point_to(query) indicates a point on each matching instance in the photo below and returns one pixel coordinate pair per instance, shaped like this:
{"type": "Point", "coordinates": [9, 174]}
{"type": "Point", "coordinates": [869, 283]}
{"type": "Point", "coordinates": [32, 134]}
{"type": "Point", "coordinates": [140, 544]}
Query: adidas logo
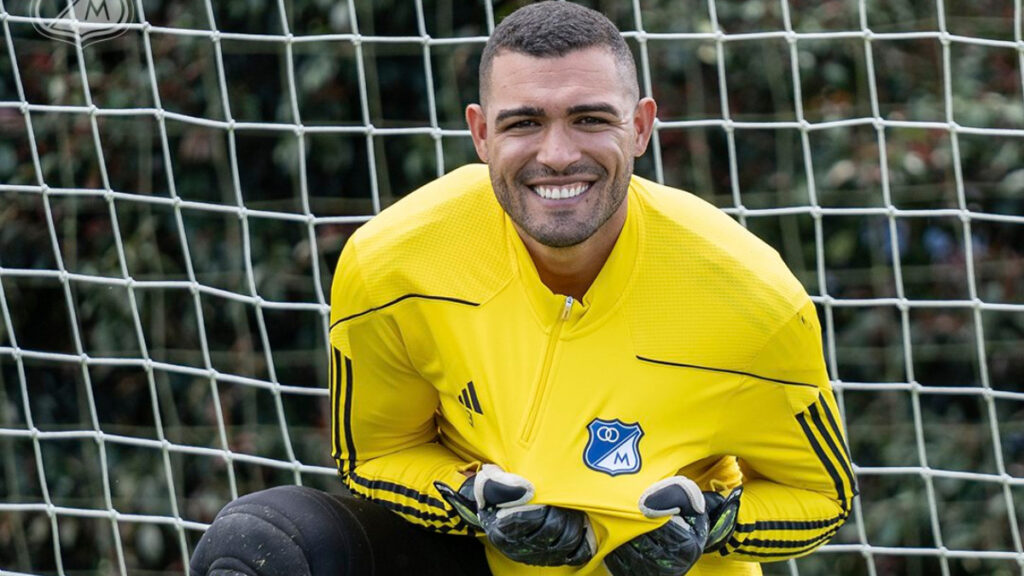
{"type": "Point", "coordinates": [469, 400]}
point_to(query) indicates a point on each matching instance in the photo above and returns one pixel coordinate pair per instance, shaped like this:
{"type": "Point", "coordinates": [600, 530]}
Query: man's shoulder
{"type": "Point", "coordinates": [683, 229]}
{"type": "Point", "coordinates": [676, 212]}
{"type": "Point", "coordinates": [709, 291]}
{"type": "Point", "coordinates": [444, 201]}
{"type": "Point", "coordinates": [445, 238]}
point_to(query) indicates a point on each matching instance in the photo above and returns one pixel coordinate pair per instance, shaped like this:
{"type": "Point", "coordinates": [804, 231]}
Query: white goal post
{"type": "Point", "coordinates": [177, 179]}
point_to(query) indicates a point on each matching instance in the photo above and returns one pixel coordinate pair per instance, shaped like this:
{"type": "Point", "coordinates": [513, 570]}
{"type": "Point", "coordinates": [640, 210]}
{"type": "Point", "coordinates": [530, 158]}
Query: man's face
{"type": "Point", "coordinates": [560, 135]}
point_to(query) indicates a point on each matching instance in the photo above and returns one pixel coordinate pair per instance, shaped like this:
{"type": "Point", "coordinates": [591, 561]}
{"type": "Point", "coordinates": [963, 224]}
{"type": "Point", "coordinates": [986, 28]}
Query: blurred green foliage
{"type": "Point", "coordinates": [281, 175]}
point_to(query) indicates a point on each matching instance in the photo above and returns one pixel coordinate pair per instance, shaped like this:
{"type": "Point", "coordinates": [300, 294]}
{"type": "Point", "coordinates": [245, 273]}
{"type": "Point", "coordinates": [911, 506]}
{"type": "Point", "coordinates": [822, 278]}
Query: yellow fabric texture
{"type": "Point", "coordinates": [448, 352]}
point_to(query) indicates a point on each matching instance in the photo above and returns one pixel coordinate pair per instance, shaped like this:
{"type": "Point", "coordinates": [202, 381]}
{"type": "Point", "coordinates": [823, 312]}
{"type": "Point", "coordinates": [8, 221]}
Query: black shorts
{"type": "Point", "coordinates": [299, 531]}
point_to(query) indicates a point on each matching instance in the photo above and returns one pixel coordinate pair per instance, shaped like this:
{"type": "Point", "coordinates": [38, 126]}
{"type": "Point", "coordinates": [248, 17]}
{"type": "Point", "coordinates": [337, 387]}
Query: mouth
{"type": "Point", "coordinates": [560, 192]}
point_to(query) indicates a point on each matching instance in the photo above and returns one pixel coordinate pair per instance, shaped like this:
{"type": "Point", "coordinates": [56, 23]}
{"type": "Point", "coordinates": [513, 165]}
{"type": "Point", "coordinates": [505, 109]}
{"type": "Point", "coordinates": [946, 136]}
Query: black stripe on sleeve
{"type": "Point", "coordinates": [836, 451]}
{"type": "Point", "coordinates": [405, 510]}
{"type": "Point", "coordinates": [785, 544]}
{"type": "Point", "coordinates": [848, 461]}
{"type": "Point", "coordinates": [726, 371]}
{"type": "Point", "coordinates": [333, 392]}
{"type": "Point", "coordinates": [836, 479]}
{"type": "Point", "coordinates": [400, 299]}
{"type": "Point", "coordinates": [349, 441]}
{"type": "Point", "coordinates": [790, 524]}
{"type": "Point", "coordinates": [336, 415]}
{"type": "Point", "coordinates": [399, 489]}
{"type": "Point", "coordinates": [445, 520]}
{"type": "Point", "coordinates": [789, 553]}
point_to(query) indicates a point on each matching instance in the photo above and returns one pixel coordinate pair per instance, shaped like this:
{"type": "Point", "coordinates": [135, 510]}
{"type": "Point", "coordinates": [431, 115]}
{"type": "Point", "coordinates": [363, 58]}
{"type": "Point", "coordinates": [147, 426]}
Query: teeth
{"type": "Point", "coordinates": [560, 192]}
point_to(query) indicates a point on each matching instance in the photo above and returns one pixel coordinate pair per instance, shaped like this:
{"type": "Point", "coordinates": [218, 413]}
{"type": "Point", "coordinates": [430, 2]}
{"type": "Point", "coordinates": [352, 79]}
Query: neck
{"type": "Point", "coordinates": [571, 270]}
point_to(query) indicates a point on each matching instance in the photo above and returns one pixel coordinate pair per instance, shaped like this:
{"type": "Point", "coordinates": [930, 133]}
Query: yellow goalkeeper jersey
{"type": "Point", "coordinates": [694, 352]}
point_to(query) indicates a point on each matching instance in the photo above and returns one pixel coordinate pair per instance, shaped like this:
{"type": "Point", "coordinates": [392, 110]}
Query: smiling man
{"type": "Point", "coordinates": [559, 135]}
{"type": "Point", "coordinates": [586, 371]}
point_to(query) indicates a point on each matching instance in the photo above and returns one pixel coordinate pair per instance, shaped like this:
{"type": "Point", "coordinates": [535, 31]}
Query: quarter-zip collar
{"type": "Point", "coordinates": [606, 291]}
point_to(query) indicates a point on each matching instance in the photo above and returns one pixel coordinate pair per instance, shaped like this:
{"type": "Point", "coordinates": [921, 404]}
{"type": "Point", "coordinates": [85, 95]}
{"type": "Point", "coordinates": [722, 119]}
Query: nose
{"type": "Point", "coordinates": [558, 150]}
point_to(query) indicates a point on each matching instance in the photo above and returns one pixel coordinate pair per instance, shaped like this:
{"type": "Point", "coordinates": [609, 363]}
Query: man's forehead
{"type": "Point", "coordinates": [598, 55]}
{"type": "Point", "coordinates": [582, 80]}
{"type": "Point", "coordinates": [510, 68]}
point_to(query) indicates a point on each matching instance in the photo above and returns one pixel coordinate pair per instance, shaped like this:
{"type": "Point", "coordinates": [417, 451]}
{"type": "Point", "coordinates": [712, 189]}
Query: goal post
{"type": "Point", "coordinates": [177, 180]}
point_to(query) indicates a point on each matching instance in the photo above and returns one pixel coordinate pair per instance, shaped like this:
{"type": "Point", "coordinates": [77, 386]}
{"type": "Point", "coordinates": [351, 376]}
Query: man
{"type": "Point", "coordinates": [588, 371]}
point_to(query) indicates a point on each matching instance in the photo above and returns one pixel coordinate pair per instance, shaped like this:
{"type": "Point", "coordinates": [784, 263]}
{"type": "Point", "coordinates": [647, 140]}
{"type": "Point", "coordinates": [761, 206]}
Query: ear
{"type": "Point", "coordinates": [477, 121]}
{"type": "Point", "coordinates": [643, 123]}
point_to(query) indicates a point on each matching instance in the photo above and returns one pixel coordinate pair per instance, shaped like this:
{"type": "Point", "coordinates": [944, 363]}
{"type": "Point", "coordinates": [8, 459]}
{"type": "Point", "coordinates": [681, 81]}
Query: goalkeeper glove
{"type": "Point", "coordinates": [540, 535]}
{"type": "Point", "coordinates": [698, 523]}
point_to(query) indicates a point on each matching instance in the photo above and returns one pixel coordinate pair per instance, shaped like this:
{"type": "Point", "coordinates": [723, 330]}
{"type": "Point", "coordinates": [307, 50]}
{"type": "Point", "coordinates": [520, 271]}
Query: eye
{"type": "Point", "coordinates": [591, 121]}
{"type": "Point", "coordinates": [521, 125]}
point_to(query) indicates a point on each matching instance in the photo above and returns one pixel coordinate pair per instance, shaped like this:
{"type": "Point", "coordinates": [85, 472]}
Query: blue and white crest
{"type": "Point", "coordinates": [612, 447]}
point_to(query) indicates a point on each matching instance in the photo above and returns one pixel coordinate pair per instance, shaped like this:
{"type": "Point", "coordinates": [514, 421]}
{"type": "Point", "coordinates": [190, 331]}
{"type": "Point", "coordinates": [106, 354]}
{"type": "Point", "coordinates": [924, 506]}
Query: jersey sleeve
{"type": "Point", "coordinates": [383, 434]}
{"type": "Point", "coordinates": [784, 428]}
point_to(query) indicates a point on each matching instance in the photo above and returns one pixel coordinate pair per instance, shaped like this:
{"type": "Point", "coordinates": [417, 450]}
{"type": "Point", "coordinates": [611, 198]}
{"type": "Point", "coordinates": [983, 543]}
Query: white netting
{"type": "Point", "coordinates": [172, 201]}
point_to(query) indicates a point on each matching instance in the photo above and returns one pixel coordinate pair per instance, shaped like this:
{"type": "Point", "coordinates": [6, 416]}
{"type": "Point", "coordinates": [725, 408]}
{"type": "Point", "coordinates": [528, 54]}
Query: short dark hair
{"type": "Point", "coordinates": [553, 29]}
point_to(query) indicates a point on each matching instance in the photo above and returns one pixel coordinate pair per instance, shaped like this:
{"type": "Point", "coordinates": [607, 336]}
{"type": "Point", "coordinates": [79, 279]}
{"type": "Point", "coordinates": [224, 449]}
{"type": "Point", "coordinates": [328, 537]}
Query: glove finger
{"type": "Point", "coordinates": [586, 547]}
{"type": "Point", "coordinates": [497, 494]}
{"type": "Point", "coordinates": [513, 534]}
{"type": "Point", "coordinates": [495, 487]}
{"type": "Point", "coordinates": [626, 560]}
{"type": "Point", "coordinates": [545, 527]}
{"type": "Point", "coordinates": [643, 556]}
{"type": "Point", "coordinates": [677, 495]}
{"type": "Point", "coordinates": [618, 562]}
{"type": "Point", "coordinates": [512, 530]}
{"type": "Point", "coordinates": [539, 535]}
{"type": "Point", "coordinates": [679, 543]}
{"type": "Point", "coordinates": [565, 531]}
{"type": "Point", "coordinates": [521, 522]}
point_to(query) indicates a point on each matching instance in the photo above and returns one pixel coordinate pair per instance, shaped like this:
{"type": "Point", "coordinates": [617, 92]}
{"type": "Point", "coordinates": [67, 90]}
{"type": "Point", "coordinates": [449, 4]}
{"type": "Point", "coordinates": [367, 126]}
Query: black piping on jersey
{"type": "Point", "coordinates": [724, 370]}
{"type": "Point", "coordinates": [399, 299]}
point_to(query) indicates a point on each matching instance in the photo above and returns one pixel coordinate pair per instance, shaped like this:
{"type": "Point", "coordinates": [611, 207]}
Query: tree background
{"type": "Point", "coordinates": [108, 212]}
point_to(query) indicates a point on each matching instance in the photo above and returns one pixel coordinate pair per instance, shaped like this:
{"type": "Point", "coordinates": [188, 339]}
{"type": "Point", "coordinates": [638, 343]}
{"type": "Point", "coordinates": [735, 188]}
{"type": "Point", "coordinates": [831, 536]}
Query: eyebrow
{"type": "Point", "coordinates": [534, 111]}
{"type": "Point", "coordinates": [598, 107]}
{"type": "Point", "coordinates": [521, 111]}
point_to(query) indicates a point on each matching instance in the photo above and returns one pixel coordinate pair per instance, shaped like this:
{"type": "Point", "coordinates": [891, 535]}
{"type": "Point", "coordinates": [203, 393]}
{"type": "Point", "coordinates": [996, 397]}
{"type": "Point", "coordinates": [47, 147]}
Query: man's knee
{"type": "Point", "coordinates": [290, 530]}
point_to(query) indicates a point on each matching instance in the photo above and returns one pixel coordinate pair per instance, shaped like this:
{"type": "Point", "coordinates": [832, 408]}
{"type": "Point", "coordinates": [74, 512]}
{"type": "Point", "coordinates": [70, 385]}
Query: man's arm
{"type": "Point", "coordinates": [785, 428]}
{"type": "Point", "coordinates": [384, 437]}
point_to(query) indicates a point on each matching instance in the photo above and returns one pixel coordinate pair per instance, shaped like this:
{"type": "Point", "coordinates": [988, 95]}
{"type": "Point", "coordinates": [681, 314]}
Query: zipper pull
{"type": "Point", "coordinates": [568, 308]}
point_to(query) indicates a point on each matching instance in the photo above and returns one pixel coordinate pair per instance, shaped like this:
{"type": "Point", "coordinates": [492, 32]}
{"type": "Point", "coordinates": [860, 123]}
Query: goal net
{"type": "Point", "coordinates": [177, 179]}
